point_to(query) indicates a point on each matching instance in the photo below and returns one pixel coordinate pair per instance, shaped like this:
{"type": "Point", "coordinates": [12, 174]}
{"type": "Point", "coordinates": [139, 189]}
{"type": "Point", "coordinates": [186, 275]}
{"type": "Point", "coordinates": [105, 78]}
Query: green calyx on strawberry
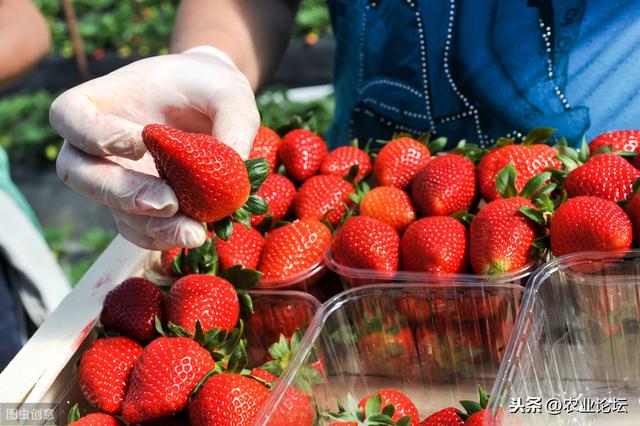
{"type": "Point", "coordinates": [221, 344]}
{"type": "Point", "coordinates": [281, 352]}
{"type": "Point", "coordinates": [373, 413]}
{"type": "Point", "coordinates": [475, 410]}
{"type": "Point", "coordinates": [93, 419]}
{"type": "Point", "coordinates": [209, 178]}
{"type": "Point", "coordinates": [604, 174]}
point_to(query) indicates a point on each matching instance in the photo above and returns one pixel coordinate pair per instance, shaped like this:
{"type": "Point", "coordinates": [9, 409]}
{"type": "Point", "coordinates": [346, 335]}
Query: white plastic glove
{"type": "Point", "coordinates": [104, 158]}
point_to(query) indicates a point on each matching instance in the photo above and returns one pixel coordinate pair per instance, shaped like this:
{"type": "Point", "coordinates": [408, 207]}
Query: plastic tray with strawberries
{"type": "Point", "coordinates": [44, 372]}
{"type": "Point", "coordinates": [360, 342]}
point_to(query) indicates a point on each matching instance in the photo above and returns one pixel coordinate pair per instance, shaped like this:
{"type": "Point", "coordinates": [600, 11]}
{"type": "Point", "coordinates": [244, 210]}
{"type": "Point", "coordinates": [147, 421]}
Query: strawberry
{"type": "Point", "coordinates": [476, 419]}
{"type": "Point", "coordinates": [175, 420]}
{"type": "Point", "coordinates": [265, 145]}
{"type": "Point", "coordinates": [607, 176]}
{"type": "Point", "coordinates": [302, 153]}
{"type": "Point", "coordinates": [448, 348]}
{"type": "Point", "coordinates": [211, 300]}
{"type": "Point", "coordinates": [294, 248]}
{"type": "Point", "coordinates": [436, 244]}
{"type": "Point", "coordinates": [340, 161]}
{"type": "Point", "coordinates": [274, 316]}
{"type": "Point", "coordinates": [633, 211]}
{"type": "Point", "coordinates": [279, 193]}
{"type": "Point", "coordinates": [402, 404]}
{"type": "Point", "coordinates": [323, 195]}
{"type": "Point", "coordinates": [295, 407]}
{"type": "Point", "coordinates": [369, 412]}
{"type": "Point", "coordinates": [166, 260]}
{"type": "Point", "coordinates": [227, 399]}
{"type": "Point", "coordinates": [130, 309]}
{"type": "Point", "coordinates": [589, 223]}
{"type": "Point", "coordinates": [528, 160]}
{"type": "Point", "coordinates": [390, 205]}
{"type": "Point", "coordinates": [399, 161]}
{"type": "Point", "coordinates": [103, 371]}
{"type": "Point", "coordinates": [243, 247]}
{"type": "Point", "coordinates": [366, 243]}
{"type": "Point", "coordinates": [447, 417]}
{"type": "Point", "coordinates": [161, 381]}
{"type": "Point", "coordinates": [209, 178]}
{"type": "Point", "coordinates": [618, 140]}
{"type": "Point", "coordinates": [388, 349]}
{"type": "Point", "coordinates": [501, 238]}
{"type": "Point", "coordinates": [445, 185]}
{"type": "Point", "coordinates": [96, 419]}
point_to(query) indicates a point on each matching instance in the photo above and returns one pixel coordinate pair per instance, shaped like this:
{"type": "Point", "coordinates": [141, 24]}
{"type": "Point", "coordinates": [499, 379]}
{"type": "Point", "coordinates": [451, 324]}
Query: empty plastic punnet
{"type": "Point", "coordinates": [576, 341]}
{"type": "Point", "coordinates": [436, 342]}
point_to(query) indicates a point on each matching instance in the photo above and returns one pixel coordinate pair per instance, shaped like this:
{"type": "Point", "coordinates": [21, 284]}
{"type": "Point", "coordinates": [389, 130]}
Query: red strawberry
{"type": "Point", "coordinates": [501, 238]}
{"type": "Point", "coordinates": [209, 178]}
{"type": "Point", "coordinates": [243, 247]}
{"type": "Point", "coordinates": [167, 257]}
{"type": "Point", "coordinates": [131, 308]}
{"type": "Point", "coordinates": [445, 185]}
{"type": "Point", "coordinates": [302, 153]}
{"type": "Point", "coordinates": [274, 316]}
{"type": "Point", "coordinates": [589, 223]}
{"type": "Point", "coordinates": [390, 205]}
{"type": "Point", "coordinates": [175, 420]}
{"type": "Point", "coordinates": [323, 195]}
{"type": "Point", "coordinates": [476, 419]}
{"type": "Point", "coordinates": [295, 408]}
{"type": "Point", "coordinates": [633, 211]}
{"type": "Point", "coordinates": [527, 160]}
{"type": "Point", "coordinates": [399, 161]}
{"type": "Point", "coordinates": [166, 260]}
{"type": "Point", "coordinates": [447, 347]}
{"type": "Point", "coordinates": [279, 193]}
{"type": "Point", "coordinates": [340, 160]}
{"type": "Point", "coordinates": [103, 371]}
{"type": "Point", "coordinates": [402, 404]}
{"type": "Point", "coordinates": [447, 417]}
{"type": "Point", "coordinates": [211, 300]}
{"type": "Point", "coordinates": [227, 399]}
{"type": "Point", "coordinates": [167, 371]}
{"type": "Point", "coordinates": [265, 145]}
{"type": "Point", "coordinates": [293, 248]}
{"type": "Point", "coordinates": [436, 244]}
{"type": "Point", "coordinates": [618, 140]}
{"type": "Point", "coordinates": [366, 243]}
{"type": "Point", "coordinates": [389, 350]}
{"type": "Point", "coordinates": [607, 176]}
{"type": "Point", "coordinates": [97, 419]}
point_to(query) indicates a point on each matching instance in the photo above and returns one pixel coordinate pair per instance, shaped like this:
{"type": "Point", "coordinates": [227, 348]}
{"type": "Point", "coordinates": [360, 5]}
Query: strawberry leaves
{"type": "Point", "coordinates": [538, 135]}
{"type": "Point", "coordinates": [506, 181]}
{"type": "Point", "coordinates": [373, 413]}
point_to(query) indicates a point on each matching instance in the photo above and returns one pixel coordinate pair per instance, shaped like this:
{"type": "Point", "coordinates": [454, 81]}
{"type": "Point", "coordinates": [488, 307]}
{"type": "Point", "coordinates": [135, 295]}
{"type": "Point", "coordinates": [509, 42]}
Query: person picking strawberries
{"type": "Point", "coordinates": [462, 69]}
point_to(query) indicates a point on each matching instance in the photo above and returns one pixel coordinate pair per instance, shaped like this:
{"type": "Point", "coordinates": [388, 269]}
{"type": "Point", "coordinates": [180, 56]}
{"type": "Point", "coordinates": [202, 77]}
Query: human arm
{"type": "Point", "coordinates": [24, 39]}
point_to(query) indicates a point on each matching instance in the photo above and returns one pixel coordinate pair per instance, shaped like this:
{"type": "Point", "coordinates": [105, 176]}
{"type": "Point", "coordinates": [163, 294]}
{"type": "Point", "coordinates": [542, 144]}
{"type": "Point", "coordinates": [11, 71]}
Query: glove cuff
{"type": "Point", "coordinates": [210, 50]}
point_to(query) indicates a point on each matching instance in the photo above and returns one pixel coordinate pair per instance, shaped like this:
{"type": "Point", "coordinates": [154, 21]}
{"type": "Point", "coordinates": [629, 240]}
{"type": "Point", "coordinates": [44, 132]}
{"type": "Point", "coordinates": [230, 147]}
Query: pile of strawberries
{"type": "Point", "coordinates": [392, 407]}
{"type": "Point", "coordinates": [166, 358]}
{"type": "Point", "coordinates": [162, 359]}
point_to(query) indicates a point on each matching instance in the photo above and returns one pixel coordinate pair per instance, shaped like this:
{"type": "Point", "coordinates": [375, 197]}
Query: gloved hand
{"type": "Point", "coordinates": [104, 158]}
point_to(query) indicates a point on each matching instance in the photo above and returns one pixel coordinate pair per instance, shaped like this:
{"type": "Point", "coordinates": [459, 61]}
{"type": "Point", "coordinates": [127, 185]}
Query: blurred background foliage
{"type": "Point", "coordinates": [126, 29]}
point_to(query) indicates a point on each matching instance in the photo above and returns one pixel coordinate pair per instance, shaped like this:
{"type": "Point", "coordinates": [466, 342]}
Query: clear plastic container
{"type": "Point", "coordinates": [576, 345]}
{"type": "Point", "coordinates": [297, 307]}
{"type": "Point", "coordinates": [453, 341]}
{"type": "Point", "coordinates": [354, 277]}
{"type": "Point", "coordinates": [315, 280]}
